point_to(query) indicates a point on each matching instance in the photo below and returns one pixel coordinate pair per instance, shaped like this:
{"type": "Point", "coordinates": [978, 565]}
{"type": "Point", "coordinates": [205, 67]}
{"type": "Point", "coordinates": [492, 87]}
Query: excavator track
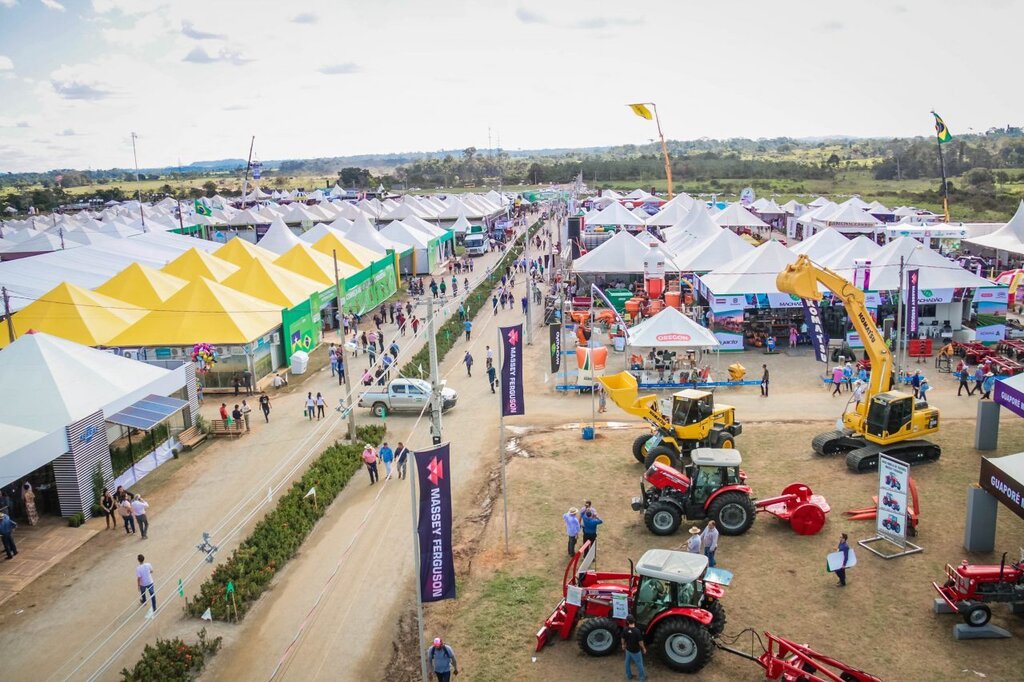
{"type": "Point", "coordinates": [865, 459]}
{"type": "Point", "coordinates": [833, 443]}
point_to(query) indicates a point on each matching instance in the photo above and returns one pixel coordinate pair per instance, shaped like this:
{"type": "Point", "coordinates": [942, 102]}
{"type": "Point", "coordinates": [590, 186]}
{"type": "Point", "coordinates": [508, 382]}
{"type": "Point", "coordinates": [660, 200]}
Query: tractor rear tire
{"type": "Point", "coordinates": [599, 636]}
{"type": "Point", "coordinates": [640, 448]}
{"type": "Point", "coordinates": [663, 518]}
{"type": "Point", "coordinates": [664, 454]}
{"type": "Point", "coordinates": [725, 441]}
{"type": "Point", "coordinates": [683, 645]}
{"type": "Point", "coordinates": [977, 615]}
{"type": "Point", "coordinates": [733, 513]}
{"type": "Point", "coordinates": [717, 625]}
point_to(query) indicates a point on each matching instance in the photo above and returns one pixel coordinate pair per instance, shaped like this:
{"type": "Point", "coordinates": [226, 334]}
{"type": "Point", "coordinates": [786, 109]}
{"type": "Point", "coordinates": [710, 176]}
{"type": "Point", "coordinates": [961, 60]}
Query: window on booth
{"type": "Point", "coordinates": [927, 310]}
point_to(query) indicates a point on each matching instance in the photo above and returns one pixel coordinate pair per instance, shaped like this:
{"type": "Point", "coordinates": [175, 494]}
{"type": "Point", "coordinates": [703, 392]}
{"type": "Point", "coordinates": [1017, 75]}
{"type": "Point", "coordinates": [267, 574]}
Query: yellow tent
{"type": "Point", "coordinates": [141, 285]}
{"type": "Point", "coordinates": [193, 264]}
{"type": "Point", "coordinates": [302, 259]}
{"type": "Point", "coordinates": [239, 252]}
{"type": "Point", "coordinates": [203, 311]}
{"type": "Point", "coordinates": [76, 314]}
{"type": "Point", "coordinates": [273, 283]}
{"type": "Point", "coordinates": [354, 254]}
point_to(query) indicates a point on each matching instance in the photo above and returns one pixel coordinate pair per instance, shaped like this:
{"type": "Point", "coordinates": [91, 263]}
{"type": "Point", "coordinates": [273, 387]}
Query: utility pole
{"type": "Point", "coordinates": [529, 288]}
{"type": "Point", "coordinates": [347, 369]}
{"type": "Point", "coordinates": [899, 325]}
{"type": "Point", "coordinates": [435, 385]}
{"type": "Point", "coordinates": [138, 187]}
{"type": "Point", "coordinates": [7, 314]}
{"type": "Point", "coordinates": [245, 182]}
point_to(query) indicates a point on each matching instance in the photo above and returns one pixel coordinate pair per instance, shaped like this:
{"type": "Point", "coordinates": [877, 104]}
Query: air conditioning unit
{"type": "Point", "coordinates": [130, 354]}
{"type": "Point", "coordinates": [224, 351]}
{"type": "Point", "coordinates": [275, 338]}
{"type": "Point", "coordinates": [178, 353]}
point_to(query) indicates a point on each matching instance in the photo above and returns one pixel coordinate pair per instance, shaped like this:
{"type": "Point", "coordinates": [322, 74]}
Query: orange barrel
{"type": "Point", "coordinates": [655, 287]}
{"type": "Point", "coordinates": [633, 305]}
{"type": "Point", "coordinates": [672, 299]}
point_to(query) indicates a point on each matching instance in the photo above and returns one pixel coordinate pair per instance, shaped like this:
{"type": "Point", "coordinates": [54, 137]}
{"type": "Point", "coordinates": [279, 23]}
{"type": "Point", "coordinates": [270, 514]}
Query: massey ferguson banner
{"type": "Point", "coordinates": [912, 305]}
{"type": "Point", "coordinates": [512, 370]}
{"type": "Point", "coordinates": [437, 563]}
{"type": "Point", "coordinates": [555, 344]}
{"type": "Point", "coordinates": [812, 316]}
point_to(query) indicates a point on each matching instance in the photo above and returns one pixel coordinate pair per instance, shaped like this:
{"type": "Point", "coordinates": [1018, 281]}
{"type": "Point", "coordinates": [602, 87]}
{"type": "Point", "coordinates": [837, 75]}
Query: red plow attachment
{"type": "Point", "coordinates": [791, 662]}
{"type": "Point", "coordinates": [799, 506]}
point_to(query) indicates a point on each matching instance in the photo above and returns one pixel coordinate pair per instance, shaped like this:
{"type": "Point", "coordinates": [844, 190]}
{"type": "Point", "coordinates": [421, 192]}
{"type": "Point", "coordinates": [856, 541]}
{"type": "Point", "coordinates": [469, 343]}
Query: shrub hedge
{"type": "Point", "coordinates": [278, 536]}
{"type": "Point", "coordinates": [172, 660]}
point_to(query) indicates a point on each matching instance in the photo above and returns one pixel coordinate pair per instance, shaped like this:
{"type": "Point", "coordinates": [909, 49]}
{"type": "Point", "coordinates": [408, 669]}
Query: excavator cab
{"type": "Point", "coordinates": [890, 414]}
{"type": "Point", "coordinates": [691, 407]}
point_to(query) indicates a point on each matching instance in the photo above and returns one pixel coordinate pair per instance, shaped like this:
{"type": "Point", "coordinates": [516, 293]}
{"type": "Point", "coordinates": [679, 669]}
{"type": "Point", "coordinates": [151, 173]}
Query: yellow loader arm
{"type": "Point", "coordinates": [624, 392]}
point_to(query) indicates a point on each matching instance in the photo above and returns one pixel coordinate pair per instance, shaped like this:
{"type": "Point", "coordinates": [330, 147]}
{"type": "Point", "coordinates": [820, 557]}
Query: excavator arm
{"type": "Point", "coordinates": [802, 279]}
{"type": "Point", "coordinates": [624, 391]}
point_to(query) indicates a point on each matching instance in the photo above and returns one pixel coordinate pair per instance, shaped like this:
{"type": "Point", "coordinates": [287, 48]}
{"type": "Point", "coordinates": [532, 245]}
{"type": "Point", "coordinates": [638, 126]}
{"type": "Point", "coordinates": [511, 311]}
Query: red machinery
{"type": "Point", "coordinates": [970, 588]}
{"type": "Point", "coordinates": [791, 662]}
{"type": "Point", "coordinates": [871, 513]}
{"type": "Point", "coordinates": [673, 603]}
{"type": "Point", "coordinates": [714, 487]}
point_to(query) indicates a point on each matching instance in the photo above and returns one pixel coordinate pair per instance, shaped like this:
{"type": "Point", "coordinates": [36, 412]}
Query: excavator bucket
{"type": "Point", "coordinates": [799, 279]}
{"type": "Point", "coordinates": [624, 392]}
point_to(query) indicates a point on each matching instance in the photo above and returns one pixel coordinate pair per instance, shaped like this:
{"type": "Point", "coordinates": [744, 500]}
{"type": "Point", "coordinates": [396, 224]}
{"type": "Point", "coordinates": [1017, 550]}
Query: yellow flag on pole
{"type": "Point", "coordinates": [642, 111]}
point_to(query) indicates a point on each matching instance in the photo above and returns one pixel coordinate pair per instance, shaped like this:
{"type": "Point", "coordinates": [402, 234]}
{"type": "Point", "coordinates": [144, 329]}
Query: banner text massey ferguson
{"type": "Point", "coordinates": [437, 563]}
{"type": "Point", "coordinates": [512, 371]}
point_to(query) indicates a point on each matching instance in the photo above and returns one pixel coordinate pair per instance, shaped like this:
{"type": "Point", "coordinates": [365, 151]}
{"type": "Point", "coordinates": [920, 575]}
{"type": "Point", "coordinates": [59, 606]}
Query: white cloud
{"type": "Point", "coordinates": [8, 3]}
{"type": "Point", "coordinates": [190, 31]}
{"type": "Point", "coordinates": [340, 69]}
{"type": "Point", "coordinates": [53, 4]}
{"type": "Point", "coordinates": [198, 55]}
{"type": "Point", "coordinates": [67, 132]}
{"type": "Point", "coordinates": [6, 64]}
{"type": "Point", "coordinates": [305, 18]}
{"type": "Point", "coordinates": [70, 89]}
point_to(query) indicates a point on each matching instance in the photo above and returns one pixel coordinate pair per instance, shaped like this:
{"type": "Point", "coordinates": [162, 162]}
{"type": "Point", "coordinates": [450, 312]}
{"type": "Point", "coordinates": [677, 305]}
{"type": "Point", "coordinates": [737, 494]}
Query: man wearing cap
{"type": "Point", "coordinates": [370, 459]}
{"type": "Point", "coordinates": [694, 544]}
{"type": "Point", "coordinates": [987, 385]}
{"type": "Point", "coordinates": [442, 660]}
{"type": "Point", "coordinates": [572, 528]}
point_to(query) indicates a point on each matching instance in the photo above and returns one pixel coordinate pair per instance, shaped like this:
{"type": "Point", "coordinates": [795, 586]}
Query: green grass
{"type": "Point", "coordinates": [507, 624]}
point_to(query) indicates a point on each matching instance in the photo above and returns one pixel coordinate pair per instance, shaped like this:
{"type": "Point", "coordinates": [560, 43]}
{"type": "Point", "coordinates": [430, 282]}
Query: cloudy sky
{"type": "Point", "coordinates": [196, 78]}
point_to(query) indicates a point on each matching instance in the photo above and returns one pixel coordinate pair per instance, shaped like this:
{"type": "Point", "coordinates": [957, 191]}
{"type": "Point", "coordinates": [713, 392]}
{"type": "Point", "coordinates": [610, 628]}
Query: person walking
{"type": "Point", "coordinates": [589, 524]}
{"type": "Point", "coordinates": [387, 455]}
{"type": "Point", "coordinates": [341, 369]}
{"type": "Point", "coordinates": [837, 379]}
{"type": "Point", "coordinates": [310, 405]}
{"type": "Point", "coordinates": [28, 497]}
{"type": "Point", "coordinates": [321, 405]}
{"type": "Point", "coordinates": [572, 527]}
{"type": "Point", "coordinates": [693, 543]}
{"type": "Point", "coordinates": [709, 539]}
{"type": "Point", "coordinates": [265, 406]}
{"type": "Point", "coordinates": [848, 377]}
{"type": "Point", "coordinates": [401, 459]}
{"type": "Point", "coordinates": [844, 548]}
{"type": "Point", "coordinates": [125, 505]}
{"type": "Point", "coordinates": [467, 326]}
{"type": "Point", "coordinates": [764, 381]}
{"type": "Point", "coordinates": [468, 359]}
{"type": "Point", "coordinates": [979, 380]}
{"type": "Point", "coordinates": [792, 336]}
{"type": "Point", "coordinates": [7, 526]}
{"type": "Point", "coordinates": [964, 375]}
{"type": "Point", "coordinates": [923, 390]}
{"type": "Point", "coordinates": [442, 660]}
{"type": "Point", "coordinates": [634, 647]}
{"type": "Point", "coordinates": [987, 385]}
{"type": "Point", "coordinates": [602, 398]}
{"type": "Point", "coordinates": [915, 383]}
{"type": "Point", "coordinates": [332, 355]}
{"type": "Point", "coordinates": [370, 459]}
{"type": "Point", "coordinates": [109, 507]}
{"type": "Point", "coordinates": [488, 355]}
{"type": "Point", "coordinates": [858, 391]}
{"type": "Point", "coordinates": [144, 578]}
{"type": "Point", "coordinates": [139, 507]}
{"type": "Point", "coordinates": [494, 303]}
{"type": "Point", "coordinates": [246, 411]}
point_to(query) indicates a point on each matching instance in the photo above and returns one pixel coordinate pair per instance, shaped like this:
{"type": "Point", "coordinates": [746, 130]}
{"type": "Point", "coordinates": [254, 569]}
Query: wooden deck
{"type": "Point", "coordinates": [40, 547]}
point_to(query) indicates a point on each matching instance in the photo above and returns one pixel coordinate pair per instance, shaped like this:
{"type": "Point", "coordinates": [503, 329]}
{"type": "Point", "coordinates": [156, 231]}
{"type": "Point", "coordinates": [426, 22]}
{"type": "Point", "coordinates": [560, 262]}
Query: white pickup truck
{"type": "Point", "coordinates": [408, 395]}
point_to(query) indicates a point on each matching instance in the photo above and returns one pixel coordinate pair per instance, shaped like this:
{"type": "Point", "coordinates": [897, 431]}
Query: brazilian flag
{"type": "Point", "coordinates": [202, 208]}
{"type": "Point", "coordinates": [941, 131]}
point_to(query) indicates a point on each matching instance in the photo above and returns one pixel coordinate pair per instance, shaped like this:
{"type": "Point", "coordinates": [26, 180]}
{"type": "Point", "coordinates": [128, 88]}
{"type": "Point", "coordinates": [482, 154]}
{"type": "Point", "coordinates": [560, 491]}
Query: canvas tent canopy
{"type": "Point", "coordinates": [194, 264]}
{"type": "Point", "coordinates": [614, 214]}
{"type": "Point", "coordinates": [737, 216]}
{"type": "Point", "coordinates": [1009, 238]}
{"type": "Point", "coordinates": [622, 254]}
{"type": "Point", "coordinates": [936, 271]}
{"type": "Point", "coordinates": [279, 238]}
{"type": "Point", "coordinates": [77, 314]}
{"type": "Point", "coordinates": [754, 273]}
{"type": "Point", "coordinates": [142, 286]}
{"type": "Point", "coordinates": [273, 283]}
{"type": "Point", "coordinates": [709, 253]}
{"type": "Point", "coordinates": [671, 329]}
{"type": "Point", "coordinates": [821, 245]}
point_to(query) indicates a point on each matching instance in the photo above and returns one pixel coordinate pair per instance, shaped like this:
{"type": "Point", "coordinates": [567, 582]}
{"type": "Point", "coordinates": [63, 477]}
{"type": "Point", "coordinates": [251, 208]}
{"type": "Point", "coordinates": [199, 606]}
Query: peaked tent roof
{"type": "Point", "coordinates": [849, 214]}
{"type": "Point", "coordinates": [246, 217]}
{"type": "Point", "coordinates": [671, 329]}
{"type": "Point", "coordinates": [1009, 237]}
{"type": "Point", "coordinates": [454, 209]}
{"type": "Point", "coordinates": [399, 232]}
{"type": "Point", "coordinates": [239, 252]}
{"type": "Point", "coordinates": [279, 238]}
{"type": "Point", "coordinates": [349, 252]}
{"type": "Point", "coordinates": [820, 201]}
{"type": "Point", "coordinates": [936, 271]}
{"type": "Point", "coordinates": [76, 314]}
{"type": "Point", "coordinates": [614, 214]}
{"type": "Point", "coordinates": [422, 225]}
{"type": "Point", "coordinates": [735, 215]}
{"type": "Point", "coordinates": [194, 264]}
{"type": "Point", "coordinates": [769, 207]}
{"type": "Point", "coordinates": [682, 199]}
{"type": "Point", "coordinates": [308, 262]}
{"type": "Point", "coordinates": [461, 224]}
{"type": "Point", "coordinates": [203, 311]}
{"type": "Point", "coordinates": [273, 283]}
{"type": "Point", "coordinates": [318, 232]}
{"type": "Point", "coordinates": [623, 253]}
{"type": "Point", "coordinates": [842, 259]}
{"type": "Point", "coordinates": [820, 245]}
{"type": "Point", "coordinates": [365, 234]}
{"type": "Point", "coordinates": [754, 273]}
{"type": "Point", "coordinates": [670, 214]}
{"type": "Point", "coordinates": [709, 253]}
{"type": "Point", "coordinates": [791, 206]}
{"type": "Point", "coordinates": [141, 285]}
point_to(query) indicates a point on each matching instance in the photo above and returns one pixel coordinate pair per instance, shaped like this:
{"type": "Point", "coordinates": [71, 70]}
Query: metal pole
{"type": "Point", "coordinates": [561, 333]}
{"type": "Point", "coordinates": [899, 322]}
{"type": "Point", "coordinates": [420, 647]}
{"type": "Point", "coordinates": [501, 443]}
{"type": "Point", "coordinates": [138, 187]}
{"type": "Point", "coordinates": [7, 314]}
{"type": "Point", "coordinates": [529, 288]}
{"type": "Point", "coordinates": [590, 363]}
{"type": "Point", "coordinates": [664, 151]}
{"type": "Point", "coordinates": [435, 385]}
{"type": "Point", "coordinates": [245, 180]}
{"type": "Point", "coordinates": [344, 360]}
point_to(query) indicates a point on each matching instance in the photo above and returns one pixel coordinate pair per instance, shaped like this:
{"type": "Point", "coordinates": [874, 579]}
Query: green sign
{"type": "Point", "coordinates": [300, 326]}
{"type": "Point", "coordinates": [370, 286]}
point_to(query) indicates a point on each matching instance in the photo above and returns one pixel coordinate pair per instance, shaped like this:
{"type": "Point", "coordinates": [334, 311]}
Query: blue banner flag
{"type": "Point", "coordinates": [437, 561]}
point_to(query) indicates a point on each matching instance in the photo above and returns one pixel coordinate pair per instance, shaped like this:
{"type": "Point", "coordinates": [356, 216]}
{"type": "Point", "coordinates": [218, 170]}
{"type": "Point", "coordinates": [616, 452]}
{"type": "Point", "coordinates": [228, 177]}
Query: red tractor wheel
{"type": "Point", "coordinates": [807, 519]}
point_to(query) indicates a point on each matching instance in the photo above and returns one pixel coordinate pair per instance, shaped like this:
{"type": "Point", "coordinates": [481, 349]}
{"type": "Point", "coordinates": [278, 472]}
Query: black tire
{"type": "Point", "coordinates": [663, 452]}
{"type": "Point", "coordinates": [717, 626]}
{"type": "Point", "coordinates": [977, 615]}
{"type": "Point", "coordinates": [379, 410]}
{"type": "Point", "coordinates": [725, 440]}
{"type": "Point", "coordinates": [733, 513]}
{"type": "Point", "coordinates": [663, 518]}
{"type": "Point", "coordinates": [640, 448]}
{"type": "Point", "coordinates": [683, 645]}
{"type": "Point", "coordinates": [598, 636]}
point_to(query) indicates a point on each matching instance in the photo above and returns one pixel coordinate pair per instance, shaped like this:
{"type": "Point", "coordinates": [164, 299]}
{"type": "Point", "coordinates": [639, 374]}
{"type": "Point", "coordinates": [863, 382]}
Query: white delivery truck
{"type": "Point", "coordinates": [476, 244]}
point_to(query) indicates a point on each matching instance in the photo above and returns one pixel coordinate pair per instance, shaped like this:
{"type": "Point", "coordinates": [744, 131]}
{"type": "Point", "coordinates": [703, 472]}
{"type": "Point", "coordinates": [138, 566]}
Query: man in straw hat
{"type": "Point", "coordinates": [693, 544]}
{"type": "Point", "coordinates": [987, 385]}
{"type": "Point", "coordinates": [572, 527]}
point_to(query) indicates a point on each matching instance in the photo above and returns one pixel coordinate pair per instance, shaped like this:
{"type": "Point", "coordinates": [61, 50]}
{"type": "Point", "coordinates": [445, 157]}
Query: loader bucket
{"type": "Point", "coordinates": [799, 279]}
{"type": "Point", "coordinates": [624, 392]}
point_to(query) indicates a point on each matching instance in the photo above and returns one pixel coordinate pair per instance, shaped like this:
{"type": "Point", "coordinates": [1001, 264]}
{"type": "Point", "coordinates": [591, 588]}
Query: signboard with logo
{"type": "Point", "coordinates": [512, 371]}
{"type": "Point", "coordinates": [673, 337]}
{"type": "Point", "coordinates": [437, 561]}
{"type": "Point", "coordinates": [991, 303]}
{"type": "Point", "coordinates": [300, 326]}
{"type": "Point", "coordinates": [1002, 486]}
{"type": "Point", "coordinates": [893, 486]}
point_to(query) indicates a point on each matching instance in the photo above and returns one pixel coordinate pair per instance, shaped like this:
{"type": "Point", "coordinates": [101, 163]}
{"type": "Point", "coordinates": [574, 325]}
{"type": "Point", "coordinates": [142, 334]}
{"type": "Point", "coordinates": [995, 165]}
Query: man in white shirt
{"type": "Point", "coordinates": [709, 538]}
{"type": "Point", "coordinates": [144, 575]}
{"type": "Point", "coordinates": [139, 507]}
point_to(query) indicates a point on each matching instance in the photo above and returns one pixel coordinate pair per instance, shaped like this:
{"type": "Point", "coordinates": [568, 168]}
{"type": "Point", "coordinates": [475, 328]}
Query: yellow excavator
{"type": "Point", "coordinates": [885, 421]}
{"type": "Point", "coordinates": [689, 419]}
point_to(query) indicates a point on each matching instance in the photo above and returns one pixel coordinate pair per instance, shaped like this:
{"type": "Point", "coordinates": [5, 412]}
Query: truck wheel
{"type": "Point", "coordinates": [733, 513]}
{"type": "Point", "coordinates": [598, 636]}
{"type": "Point", "coordinates": [725, 440]}
{"type": "Point", "coordinates": [717, 626]}
{"type": "Point", "coordinates": [683, 644]}
{"type": "Point", "coordinates": [640, 448]}
{"type": "Point", "coordinates": [663, 454]}
{"type": "Point", "coordinates": [977, 615]}
{"type": "Point", "coordinates": [379, 410]}
{"type": "Point", "coordinates": [662, 518]}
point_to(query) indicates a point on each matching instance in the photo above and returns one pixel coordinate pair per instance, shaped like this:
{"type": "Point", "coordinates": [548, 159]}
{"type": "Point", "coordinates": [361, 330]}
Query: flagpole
{"type": "Point", "coordinates": [501, 438]}
{"type": "Point", "coordinates": [421, 651]}
{"type": "Point", "coordinates": [138, 187]}
{"type": "Point", "coordinates": [945, 185]}
{"type": "Point", "coordinates": [664, 150]}
{"type": "Point", "coordinates": [245, 179]}
{"type": "Point", "coordinates": [345, 368]}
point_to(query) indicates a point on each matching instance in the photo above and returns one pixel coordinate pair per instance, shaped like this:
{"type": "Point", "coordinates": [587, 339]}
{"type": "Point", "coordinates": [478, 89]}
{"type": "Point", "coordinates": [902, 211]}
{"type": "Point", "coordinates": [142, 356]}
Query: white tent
{"type": "Point", "coordinates": [850, 217]}
{"type": "Point", "coordinates": [936, 271]}
{"type": "Point", "coordinates": [769, 207]}
{"type": "Point", "coordinates": [670, 214]}
{"type": "Point", "coordinates": [246, 217]}
{"type": "Point", "coordinates": [711, 252]}
{"type": "Point", "coordinates": [423, 226]}
{"type": "Point", "coordinates": [279, 238]}
{"type": "Point", "coordinates": [696, 227]}
{"type": "Point", "coordinates": [318, 232]}
{"type": "Point", "coordinates": [842, 259]}
{"type": "Point", "coordinates": [461, 224]}
{"type": "Point", "coordinates": [821, 244]}
{"type": "Point", "coordinates": [410, 237]}
{"type": "Point", "coordinates": [792, 207]}
{"type": "Point", "coordinates": [736, 216]}
{"type": "Point", "coordinates": [753, 273]}
{"type": "Point", "coordinates": [670, 329]}
{"type": "Point", "coordinates": [1009, 237]}
{"type": "Point", "coordinates": [614, 214]}
{"type": "Point", "coordinates": [820, 201]}
{"type": "Point", "coordinates": [365, 234]}
{"type": "Point", "coordinates": [622, 254]}
{"type": "Point", "coordinates": [454, 209]}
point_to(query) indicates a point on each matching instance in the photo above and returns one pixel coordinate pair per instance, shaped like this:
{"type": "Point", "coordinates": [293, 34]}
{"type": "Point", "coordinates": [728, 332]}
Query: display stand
{"type": "Point", "coordinates": [910, 547]}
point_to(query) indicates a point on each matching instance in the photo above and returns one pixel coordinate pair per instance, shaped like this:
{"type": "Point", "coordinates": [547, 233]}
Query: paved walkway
{"type": "Point", "coordinates": [40, 548]}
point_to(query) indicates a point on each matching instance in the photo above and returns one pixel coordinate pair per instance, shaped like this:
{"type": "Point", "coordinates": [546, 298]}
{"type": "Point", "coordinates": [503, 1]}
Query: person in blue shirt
{"type": "Point", "coordinates": [442, 660]}
{"type": "Point", "coordinates": [862, 375]}
{"type": "Point", "coordinates": [845, 549]}
{"type": "Point", "coordinates": [387, 455]}
{"type": "Point", "coordinates": [915, 383]}
{"type": "Point", "coordinates": [572, 528]}
{"type": "Point", "coordinates": [987, 385]}
{"type": "Point", "coordinates": [468, 327]}
{"type": "Point", "coordinates": [590, 522]}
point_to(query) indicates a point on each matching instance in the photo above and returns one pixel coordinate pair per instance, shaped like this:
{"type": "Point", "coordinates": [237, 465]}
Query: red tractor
{"type": "Point", "coordinates": [970, 588]}
{"type": "Point", "coordinates": [890, 502]}
{"type": "Point", "coordinates": [714, 487]}
{"type": "Point", "coordinates": [676, 607]}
